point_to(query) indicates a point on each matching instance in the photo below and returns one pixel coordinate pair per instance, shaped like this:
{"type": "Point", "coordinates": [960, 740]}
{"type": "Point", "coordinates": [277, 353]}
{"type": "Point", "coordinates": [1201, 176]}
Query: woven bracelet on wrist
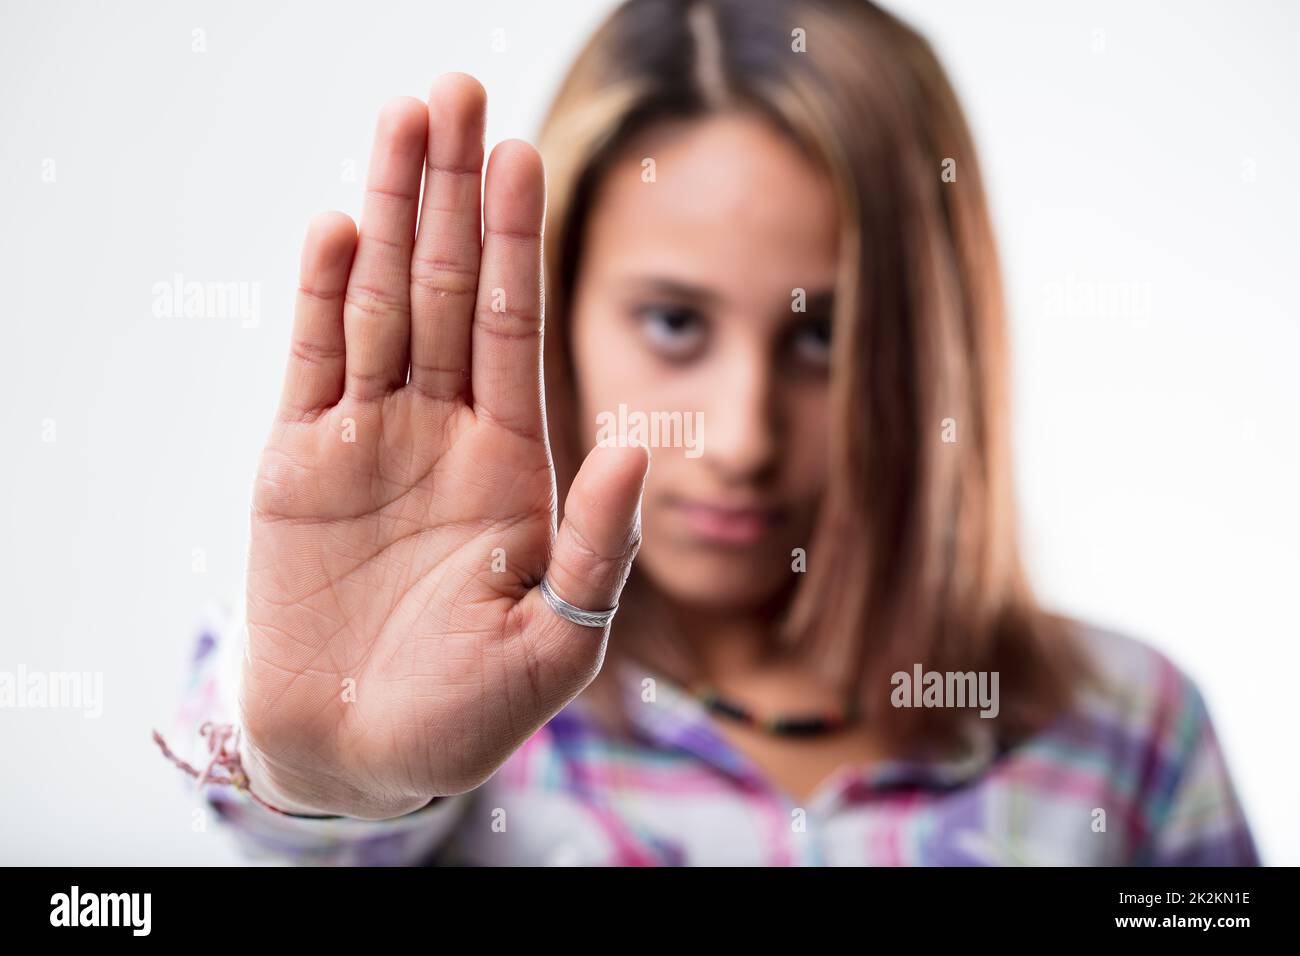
{"type": "Point", "coordinates": [224, 766]}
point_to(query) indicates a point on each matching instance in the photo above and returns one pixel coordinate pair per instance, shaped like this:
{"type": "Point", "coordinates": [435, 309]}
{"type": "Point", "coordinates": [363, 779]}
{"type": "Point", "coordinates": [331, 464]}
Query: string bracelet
{"type": "Point", "coordinates": [224, 766]}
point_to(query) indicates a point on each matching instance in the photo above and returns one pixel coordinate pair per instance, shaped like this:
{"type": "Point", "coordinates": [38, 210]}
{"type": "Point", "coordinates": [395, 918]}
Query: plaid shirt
{"type": "Point", "coordinates": [1142, 749]}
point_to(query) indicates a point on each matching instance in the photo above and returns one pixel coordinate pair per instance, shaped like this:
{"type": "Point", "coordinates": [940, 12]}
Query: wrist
{"type": "Point", "coordinates": [263, 782]}
{"type": "Point", "coordinates": [294, 794]}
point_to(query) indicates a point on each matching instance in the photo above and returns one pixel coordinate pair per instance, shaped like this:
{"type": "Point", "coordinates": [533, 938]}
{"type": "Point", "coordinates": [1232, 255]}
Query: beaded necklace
{"type": "Point", "coordinates": [781, 725]}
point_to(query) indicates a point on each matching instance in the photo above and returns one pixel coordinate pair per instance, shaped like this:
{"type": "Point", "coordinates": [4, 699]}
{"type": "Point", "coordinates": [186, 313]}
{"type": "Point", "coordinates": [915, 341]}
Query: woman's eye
{"type": "Point", "coordinates": [673, 331]}
{"type": "Point", "coordinates": [812, 342]}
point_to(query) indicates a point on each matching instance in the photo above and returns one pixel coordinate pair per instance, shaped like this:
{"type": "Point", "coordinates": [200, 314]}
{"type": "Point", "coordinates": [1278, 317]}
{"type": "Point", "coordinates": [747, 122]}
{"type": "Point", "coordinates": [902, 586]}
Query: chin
{"type": "Point", "coordinates": [715, 580]}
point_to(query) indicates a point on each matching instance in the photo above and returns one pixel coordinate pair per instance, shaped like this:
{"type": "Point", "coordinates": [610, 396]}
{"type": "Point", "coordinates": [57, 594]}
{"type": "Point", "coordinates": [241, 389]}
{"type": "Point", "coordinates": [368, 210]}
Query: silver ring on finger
{"type": "Point", "coordinates": [571, 612]}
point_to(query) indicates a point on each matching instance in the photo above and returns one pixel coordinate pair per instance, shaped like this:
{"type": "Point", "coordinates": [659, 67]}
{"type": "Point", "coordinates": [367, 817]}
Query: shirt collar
{"type": "Point", "coordinates": [669, 715]}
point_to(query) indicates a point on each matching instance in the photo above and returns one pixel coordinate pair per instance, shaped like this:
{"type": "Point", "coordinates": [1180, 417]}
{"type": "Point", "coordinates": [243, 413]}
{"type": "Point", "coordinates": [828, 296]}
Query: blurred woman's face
{"type": "Point", "coordinates": [687, 333]}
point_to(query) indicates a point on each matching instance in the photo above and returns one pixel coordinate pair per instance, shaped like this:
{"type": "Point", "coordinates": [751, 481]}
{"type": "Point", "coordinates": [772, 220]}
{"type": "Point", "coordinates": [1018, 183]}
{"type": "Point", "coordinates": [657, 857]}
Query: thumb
{"type": "Point", "coordinates": [593, 552]}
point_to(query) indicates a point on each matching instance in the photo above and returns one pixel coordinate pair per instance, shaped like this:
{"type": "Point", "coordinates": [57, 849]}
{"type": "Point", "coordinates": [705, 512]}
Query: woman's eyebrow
{"type": "Point", "coordinates": [675, 288]}
{"type": "Point", "coordinates": [816, 301]}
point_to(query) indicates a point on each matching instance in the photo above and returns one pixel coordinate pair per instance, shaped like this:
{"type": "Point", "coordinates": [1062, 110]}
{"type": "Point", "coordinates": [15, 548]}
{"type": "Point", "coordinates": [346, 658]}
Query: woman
{"type": "Point", "coordinates": [768, 257]}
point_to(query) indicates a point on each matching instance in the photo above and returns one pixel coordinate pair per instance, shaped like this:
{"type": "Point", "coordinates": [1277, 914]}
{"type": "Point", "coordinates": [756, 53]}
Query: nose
{"type": "Point", "coordinates": [741, 424]}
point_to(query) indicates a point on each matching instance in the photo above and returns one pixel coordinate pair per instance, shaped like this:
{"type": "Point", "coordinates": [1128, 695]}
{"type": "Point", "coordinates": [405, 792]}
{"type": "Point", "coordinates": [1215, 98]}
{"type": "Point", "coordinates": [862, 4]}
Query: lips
{"type": "Point", "coordinates": [736, 525]}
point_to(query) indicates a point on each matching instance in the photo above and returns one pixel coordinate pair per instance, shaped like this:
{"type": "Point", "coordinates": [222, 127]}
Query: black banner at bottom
{"type": "Point", "coordinates": [549, 907]}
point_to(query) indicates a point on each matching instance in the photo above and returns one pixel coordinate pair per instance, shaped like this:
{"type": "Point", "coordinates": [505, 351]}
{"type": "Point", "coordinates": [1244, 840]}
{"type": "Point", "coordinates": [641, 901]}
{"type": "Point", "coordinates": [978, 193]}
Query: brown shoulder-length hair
{"type": "Point", "coordinates": [915, 557]}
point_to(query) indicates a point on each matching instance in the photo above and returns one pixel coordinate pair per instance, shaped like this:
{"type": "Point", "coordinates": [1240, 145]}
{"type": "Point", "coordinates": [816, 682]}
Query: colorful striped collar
{"type": "Point", "coordinates": [666, 714]}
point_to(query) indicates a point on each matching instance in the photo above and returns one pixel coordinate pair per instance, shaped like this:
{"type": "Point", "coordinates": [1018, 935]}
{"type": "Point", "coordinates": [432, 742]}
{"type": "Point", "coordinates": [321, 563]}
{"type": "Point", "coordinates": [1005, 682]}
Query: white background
{"type": "Point", "coordinates": [1157, 441]}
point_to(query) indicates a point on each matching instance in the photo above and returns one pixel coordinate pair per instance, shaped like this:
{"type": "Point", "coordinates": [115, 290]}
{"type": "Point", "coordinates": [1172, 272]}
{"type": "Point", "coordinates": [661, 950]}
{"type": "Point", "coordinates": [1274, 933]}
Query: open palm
{"type": "Point", "coordinates": [405, 505]}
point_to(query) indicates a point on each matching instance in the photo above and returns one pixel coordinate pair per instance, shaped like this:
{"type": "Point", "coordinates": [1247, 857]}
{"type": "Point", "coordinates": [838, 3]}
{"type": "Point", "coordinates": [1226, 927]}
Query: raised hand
{"type": "Point", "coordinates": [390, 659]}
